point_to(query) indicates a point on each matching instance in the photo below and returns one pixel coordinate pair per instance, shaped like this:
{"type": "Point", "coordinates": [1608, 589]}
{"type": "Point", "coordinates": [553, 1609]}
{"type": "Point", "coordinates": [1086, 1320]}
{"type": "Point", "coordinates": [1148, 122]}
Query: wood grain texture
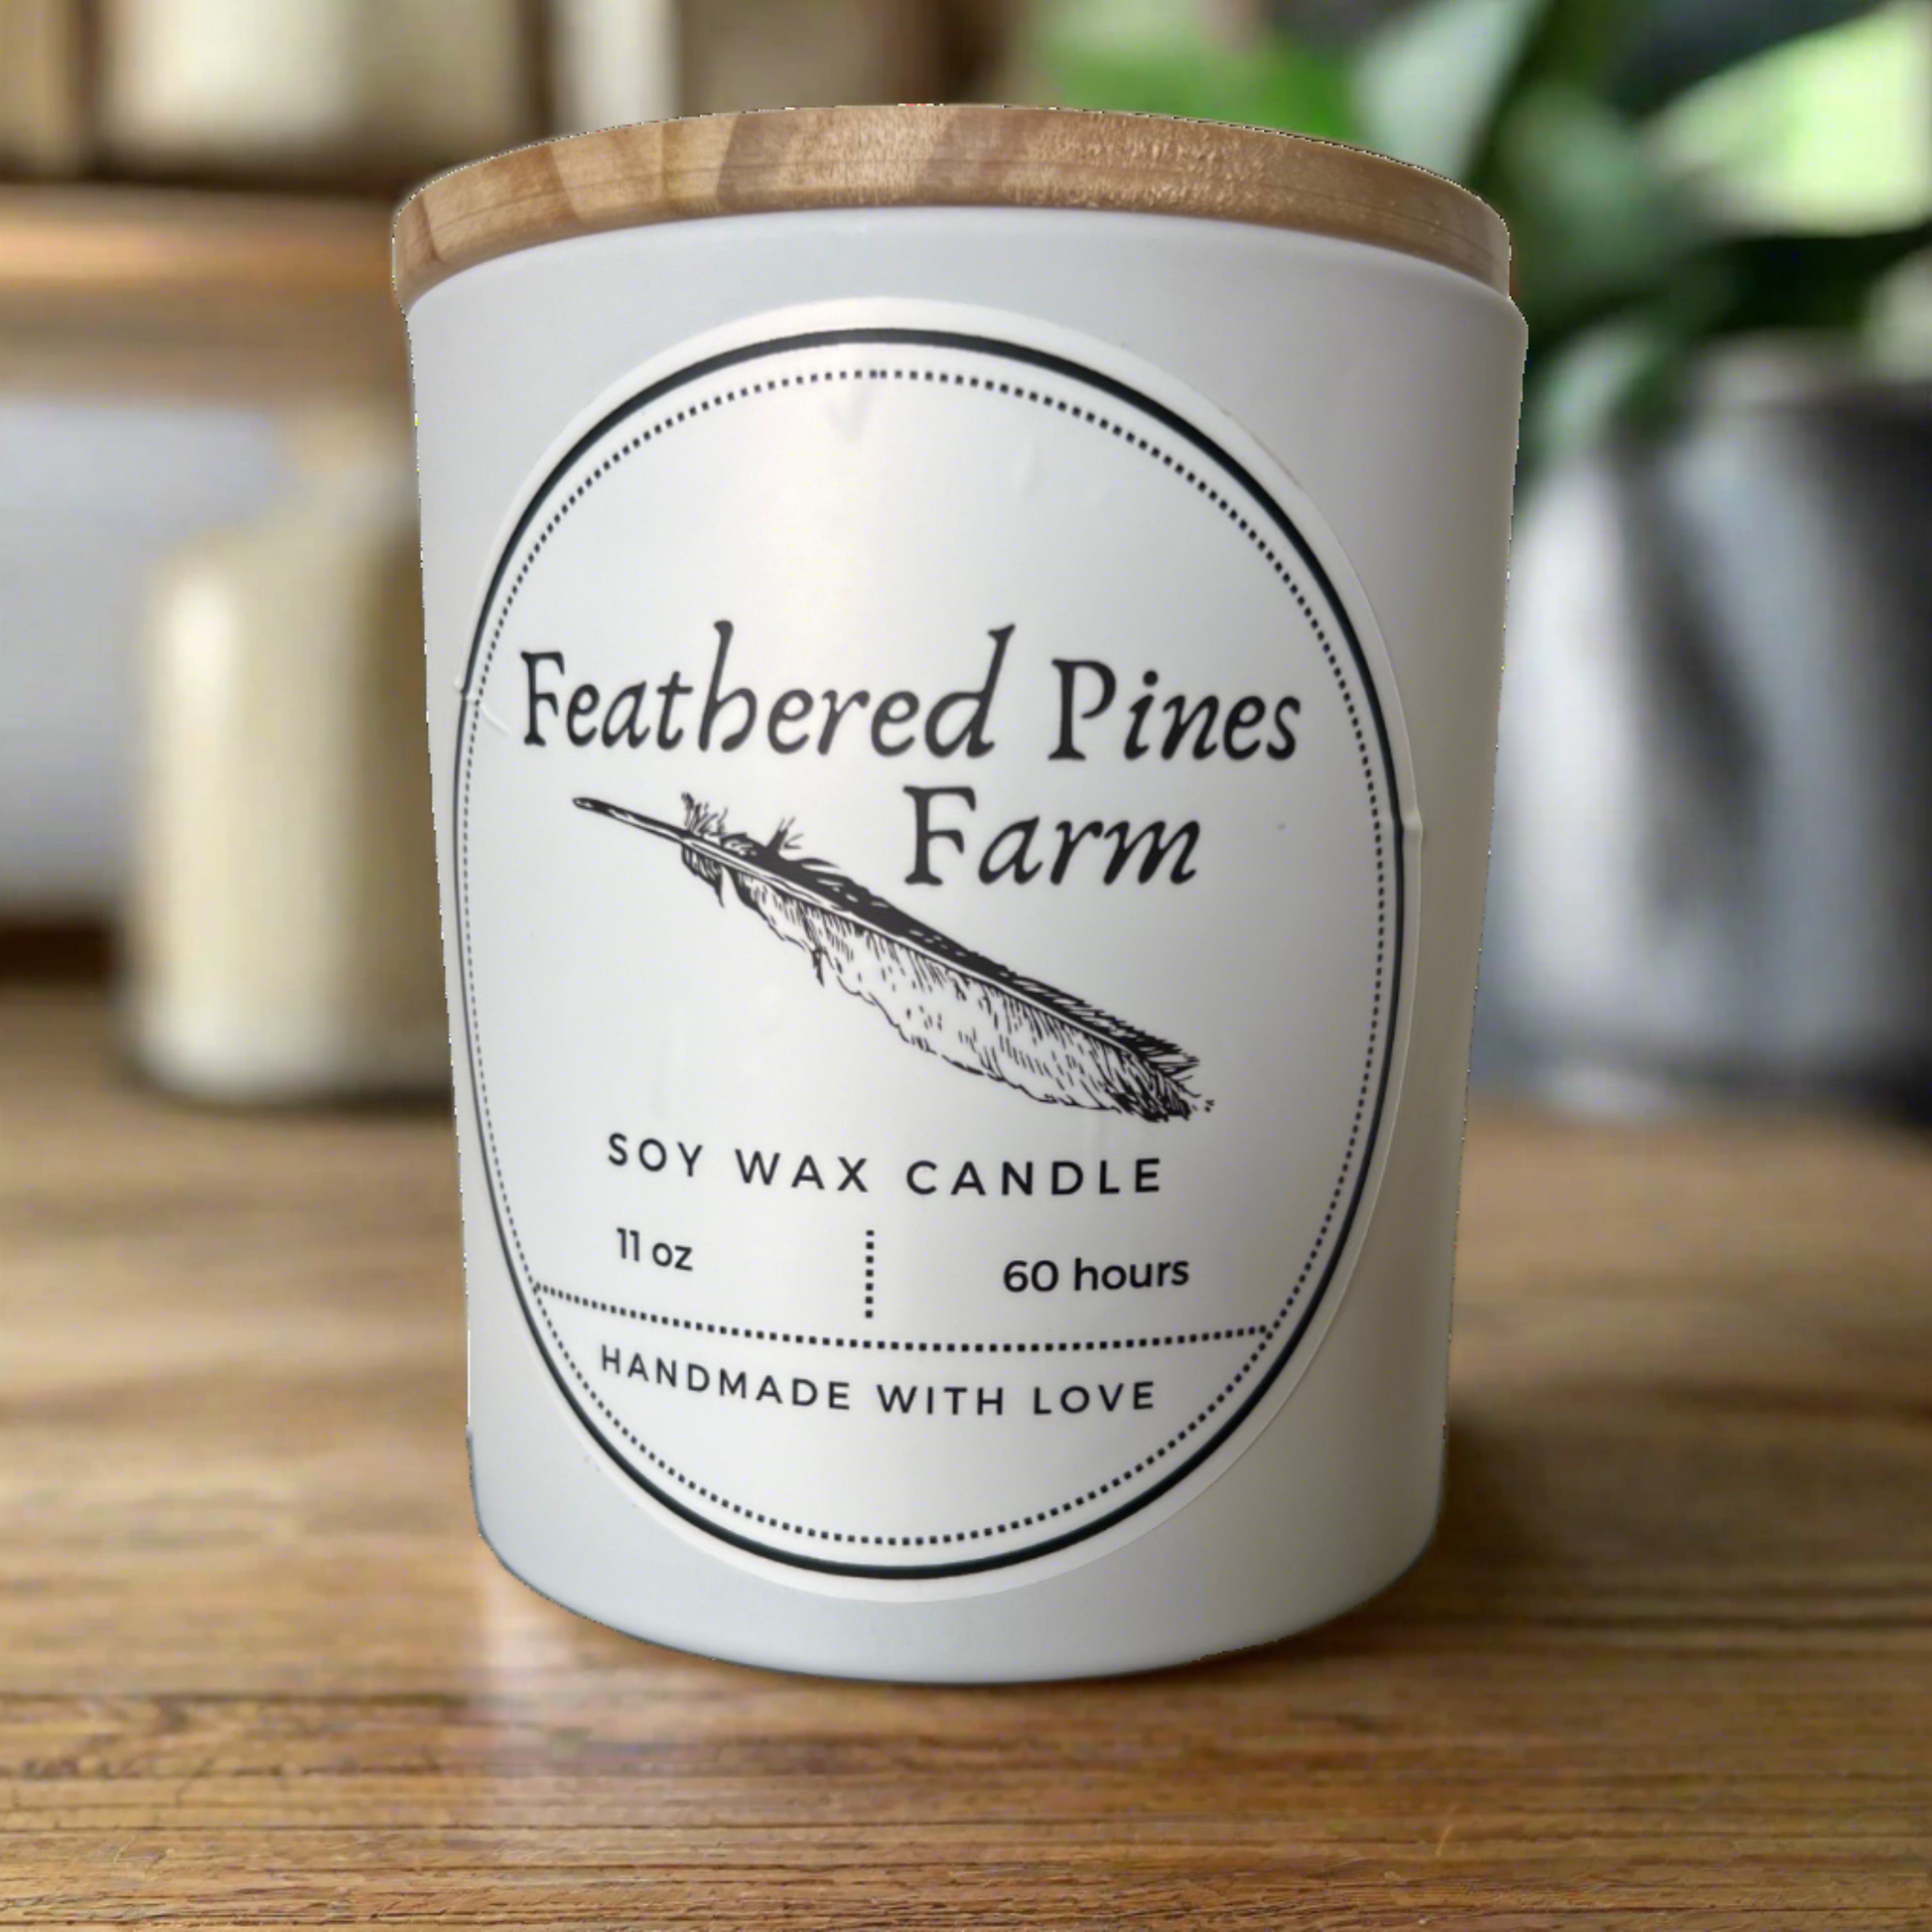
{"type": "Point", "coordinates": [165, 291]}
{"type": "Point", "coordinates": [1669, 1664]}
{"type": "Point", "coordinates": [936, 157]}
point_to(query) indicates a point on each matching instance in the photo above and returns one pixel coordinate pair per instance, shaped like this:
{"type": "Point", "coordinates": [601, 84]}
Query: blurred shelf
{"type": "Point", "coordinates": [202, 293]}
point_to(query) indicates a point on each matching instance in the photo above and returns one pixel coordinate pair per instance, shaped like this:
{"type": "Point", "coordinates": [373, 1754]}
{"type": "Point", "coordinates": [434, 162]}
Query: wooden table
{"type": "Point", "coordinates": [1668, 1665]}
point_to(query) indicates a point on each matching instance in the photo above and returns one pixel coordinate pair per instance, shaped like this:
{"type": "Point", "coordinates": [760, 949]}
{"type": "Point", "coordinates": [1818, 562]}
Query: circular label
{"type": "Point", "coordinates": [930, 890]}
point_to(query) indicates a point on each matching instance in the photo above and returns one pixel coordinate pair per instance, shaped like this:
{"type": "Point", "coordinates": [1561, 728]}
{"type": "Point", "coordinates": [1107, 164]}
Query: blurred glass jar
{"type": "Point", "coordinates": [738, 53]}
{"type": "Point", "coordinates": [345, 90]}
{"type": "Point", "coordinates": [283, 942]}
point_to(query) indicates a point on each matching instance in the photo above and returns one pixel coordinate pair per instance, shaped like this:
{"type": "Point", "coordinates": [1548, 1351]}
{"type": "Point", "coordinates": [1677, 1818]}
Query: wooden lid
{"type": "Point", "coordinates": [937, 157]}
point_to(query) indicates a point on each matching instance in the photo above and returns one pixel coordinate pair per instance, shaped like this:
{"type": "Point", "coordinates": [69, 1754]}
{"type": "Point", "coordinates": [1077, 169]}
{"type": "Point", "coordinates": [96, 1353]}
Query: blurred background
{"type": "Point", "coordinates": [1712, 868]}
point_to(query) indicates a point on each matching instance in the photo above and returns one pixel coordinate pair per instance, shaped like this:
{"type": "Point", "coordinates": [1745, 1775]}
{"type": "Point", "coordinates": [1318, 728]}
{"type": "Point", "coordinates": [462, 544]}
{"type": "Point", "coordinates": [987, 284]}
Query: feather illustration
{"type": "Point", "coordinates": [938, 995]}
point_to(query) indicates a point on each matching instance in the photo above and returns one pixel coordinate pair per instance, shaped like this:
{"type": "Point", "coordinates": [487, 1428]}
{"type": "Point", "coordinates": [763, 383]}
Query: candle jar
{"type": "Point", "coordinates": [282, 942]}
{"type": "Point", "coordinates": [963, 658]}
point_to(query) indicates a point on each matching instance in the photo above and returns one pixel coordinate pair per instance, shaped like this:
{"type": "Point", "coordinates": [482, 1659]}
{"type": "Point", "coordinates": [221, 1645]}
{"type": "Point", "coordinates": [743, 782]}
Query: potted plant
{"type": "Point", "coordinates": [1714, 843]}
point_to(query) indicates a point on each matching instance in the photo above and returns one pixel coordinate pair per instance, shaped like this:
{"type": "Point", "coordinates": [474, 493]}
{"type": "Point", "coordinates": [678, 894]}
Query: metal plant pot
{"type": "Point", "coordinates": [1713, 832]}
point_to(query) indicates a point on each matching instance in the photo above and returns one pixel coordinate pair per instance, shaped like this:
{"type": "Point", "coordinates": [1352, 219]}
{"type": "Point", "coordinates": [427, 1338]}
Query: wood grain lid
{"type": "Point", "coordinates": [937, 157]}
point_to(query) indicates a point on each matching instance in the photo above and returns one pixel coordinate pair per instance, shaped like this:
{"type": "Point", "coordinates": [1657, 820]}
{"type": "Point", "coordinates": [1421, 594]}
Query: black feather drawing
{"type": "Point", "coordinates": [941, 997]}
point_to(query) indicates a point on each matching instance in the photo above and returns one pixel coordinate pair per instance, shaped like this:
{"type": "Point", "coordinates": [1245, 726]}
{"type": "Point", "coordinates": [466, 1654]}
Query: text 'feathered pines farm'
{"type": "Point", "coordinates": [1097, 712]}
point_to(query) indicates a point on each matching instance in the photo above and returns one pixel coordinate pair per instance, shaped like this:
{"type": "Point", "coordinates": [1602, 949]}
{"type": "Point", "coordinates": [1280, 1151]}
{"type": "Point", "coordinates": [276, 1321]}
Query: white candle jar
{"type": "Point", "coordinates": [964, 650]}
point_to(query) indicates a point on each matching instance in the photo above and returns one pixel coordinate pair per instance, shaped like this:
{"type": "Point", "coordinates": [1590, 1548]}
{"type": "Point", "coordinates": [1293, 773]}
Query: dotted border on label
{"type": "Point", "coordinates": [725, 1330]}
{"type": "Point", "coordinates": [478, 680]}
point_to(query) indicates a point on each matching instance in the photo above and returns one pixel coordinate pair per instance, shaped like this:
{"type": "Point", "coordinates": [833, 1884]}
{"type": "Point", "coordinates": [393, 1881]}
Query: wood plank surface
{"type": "Point", "coordinates": [1668, 1665]}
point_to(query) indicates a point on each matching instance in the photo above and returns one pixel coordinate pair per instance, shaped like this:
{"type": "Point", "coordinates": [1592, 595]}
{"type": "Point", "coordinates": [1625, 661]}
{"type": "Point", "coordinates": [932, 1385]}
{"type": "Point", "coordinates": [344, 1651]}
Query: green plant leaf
{"type": "Point", "coordinates": [1625, 270]}
{"type": "Point", "coordinates": [1672, 47]}
{"type": "Point", "coordinates": [1831, 132]}
{"type": "Point", "coordinates": [1592, 221]}
{"type": "Point", "coordinates": [1144, 62]}
{"type": "Point", "coordinates": [1579, 43]}
{"type": "Point", "coordinates": [1623, 374]}
{"type": "Point", "coordinates": [1898, 320]}
{"type": "Point", "coordinates": [1802, 281]}
{"type": "Point", "coordinates": [1628, 370]}
{"type": "Point", "coordinates": [1430, 85]}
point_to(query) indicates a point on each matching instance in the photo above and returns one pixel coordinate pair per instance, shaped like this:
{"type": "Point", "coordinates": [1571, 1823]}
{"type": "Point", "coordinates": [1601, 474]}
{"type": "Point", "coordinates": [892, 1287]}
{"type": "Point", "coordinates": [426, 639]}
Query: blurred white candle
{"type": "Point", "coordinates": [284, 940]}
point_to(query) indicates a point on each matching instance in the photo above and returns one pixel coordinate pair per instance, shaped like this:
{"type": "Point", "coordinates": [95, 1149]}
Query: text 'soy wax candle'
{"type": "Point", "coordinates": [964, 649]}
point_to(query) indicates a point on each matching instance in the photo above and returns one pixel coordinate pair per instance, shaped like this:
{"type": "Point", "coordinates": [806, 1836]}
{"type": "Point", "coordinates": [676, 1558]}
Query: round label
{"type": "Point", "coordinates": [930, 879]}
